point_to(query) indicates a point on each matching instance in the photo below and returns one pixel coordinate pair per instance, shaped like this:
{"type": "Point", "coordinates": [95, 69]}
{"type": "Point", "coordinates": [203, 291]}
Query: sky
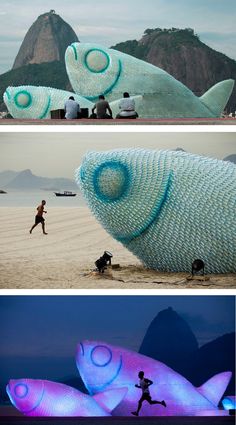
{"type": "Point", "coordinates": [39, 334]}
{"type": "Point", "coordinates": [60, 154]}
{"type": "Point", "coordinates": [108, 22]}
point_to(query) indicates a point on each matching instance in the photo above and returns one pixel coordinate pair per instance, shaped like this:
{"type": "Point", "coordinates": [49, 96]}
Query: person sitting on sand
{"type": "Point", "coordinates": [127, 107]}
{"type": "Point", "coordinates": [39, 217]}
{"type": "Point", "coordinates": [102, 106]}
{"type": "Point", "coordinates": [144, 383]}
{"type": "Point", "coordinates": [72, 109]}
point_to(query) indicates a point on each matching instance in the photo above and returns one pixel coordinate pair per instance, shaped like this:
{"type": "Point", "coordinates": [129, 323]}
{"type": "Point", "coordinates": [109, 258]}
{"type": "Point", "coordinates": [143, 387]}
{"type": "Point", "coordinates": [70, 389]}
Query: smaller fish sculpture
{"type": "Point", "coordinates": [31, 102]}
{"type": "Point", "coordinates": [35, 397]}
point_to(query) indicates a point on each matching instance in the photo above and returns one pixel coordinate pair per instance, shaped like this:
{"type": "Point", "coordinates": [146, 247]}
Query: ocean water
{"type": "Point", "coordinates": [34, 198]}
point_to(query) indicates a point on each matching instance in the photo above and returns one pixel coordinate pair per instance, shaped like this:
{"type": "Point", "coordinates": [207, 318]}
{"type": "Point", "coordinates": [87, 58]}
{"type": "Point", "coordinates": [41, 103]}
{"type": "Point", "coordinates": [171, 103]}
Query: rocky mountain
{"type": "Point", "coordinates": [25, 180]}
{"type": "Point", "coordinates": [45, 41]}
{"type": "Point", "coordinates": [181, 53]}
{"type": "Point", "coordinates": [231, 158]}
{"type": "Point", "coordinates": [169, 339]}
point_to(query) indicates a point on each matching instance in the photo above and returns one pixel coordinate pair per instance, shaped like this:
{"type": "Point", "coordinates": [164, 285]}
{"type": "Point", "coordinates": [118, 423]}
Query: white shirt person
{"type": "Point", "coordinates": [127, 107]}
{"type": "Point", "coordinates": [71, 108]}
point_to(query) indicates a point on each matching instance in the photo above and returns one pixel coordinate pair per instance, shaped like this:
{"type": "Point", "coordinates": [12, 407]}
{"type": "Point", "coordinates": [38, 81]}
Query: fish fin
{"type": "Point", "coordinates": [109, 399]}
{"type": "Point", "coordinates": [216, 98]}
{"type": "Point", "coordinates": [215, 387]}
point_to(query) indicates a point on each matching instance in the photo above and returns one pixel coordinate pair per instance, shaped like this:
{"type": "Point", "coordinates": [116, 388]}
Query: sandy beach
{"type": "Point", "coordinates": [65, 257]}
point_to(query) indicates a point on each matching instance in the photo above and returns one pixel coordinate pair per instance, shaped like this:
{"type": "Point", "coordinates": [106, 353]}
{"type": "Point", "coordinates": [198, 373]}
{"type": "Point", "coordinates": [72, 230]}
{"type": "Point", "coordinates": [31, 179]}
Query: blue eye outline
{"type": "Point", "coordinates": [21, 385]}
{"type": "Point", "coordinates": [74, 50]}
{"type": "Point", "coordinates": [101, 70]}
{"type": "Point", "coordinates": [99, 364]}
{"type": "Point", "coordinates": [25, 92]}
{"type": "Point", "coordinates": [82, 173]}
{"type": "Point", "coordinates": [114, 165]}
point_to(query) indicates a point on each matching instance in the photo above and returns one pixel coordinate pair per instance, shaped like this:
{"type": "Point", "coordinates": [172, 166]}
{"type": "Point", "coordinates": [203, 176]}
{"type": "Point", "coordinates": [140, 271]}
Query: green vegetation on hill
{"type": "Point", "coordinates": [178, 37]}
{"type": "Point", "coordinates": [50, 74]}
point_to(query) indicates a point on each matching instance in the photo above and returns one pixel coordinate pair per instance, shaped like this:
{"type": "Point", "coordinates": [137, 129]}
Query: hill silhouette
{"type": "Point", "coordinates": [26, 180]}
{"type": "Point", "coordinates": [170, 340]}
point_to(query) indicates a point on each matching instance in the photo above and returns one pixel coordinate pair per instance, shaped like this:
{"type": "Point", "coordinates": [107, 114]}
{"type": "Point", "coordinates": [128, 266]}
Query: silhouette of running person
{"type": "Point", "coordinates": [39, 217]}
{"type": "Point", "coordinates": [144, 384]}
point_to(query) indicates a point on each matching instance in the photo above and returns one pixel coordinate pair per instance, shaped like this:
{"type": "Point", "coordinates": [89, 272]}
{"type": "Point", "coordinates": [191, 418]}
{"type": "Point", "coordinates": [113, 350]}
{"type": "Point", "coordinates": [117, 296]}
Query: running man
{"type": "Point", "coordinates": [144, 384]}
{"type": "Point", "coordinates": [39, 217]}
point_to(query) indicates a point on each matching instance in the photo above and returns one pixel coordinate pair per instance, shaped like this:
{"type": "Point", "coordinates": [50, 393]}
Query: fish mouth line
{"type": "Point", "coordinates": [152, 218]}
{"type": "Point", "coordinates": [110, 88]}
{"type": "Point", "coordinates": [45, 112]}
{"type": "Point", "coordinates": [100, 388]}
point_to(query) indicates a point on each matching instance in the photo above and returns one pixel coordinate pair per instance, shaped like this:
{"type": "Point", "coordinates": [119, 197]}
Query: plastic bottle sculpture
{"type": "Point", "coordinates": [94, 70]}
{"type": "Point", "coordinates": [103, 366]}
{"type": "Point", "coordinates": [168, 208]}
{"type": "Point", "coordinates": [36, 397]}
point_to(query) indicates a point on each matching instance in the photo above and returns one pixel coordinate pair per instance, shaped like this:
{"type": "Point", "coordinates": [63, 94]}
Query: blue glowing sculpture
{"type": "Point", "coordinates": [229, 402]}
{"type": "Point", "coordinates": [34, 397]}
{"type": "Point", "coordinates": [103, 366]}
{"type": "Point", "coordinates": [94, 70]}
{"type": "Point", "coordinates": [167, 207]}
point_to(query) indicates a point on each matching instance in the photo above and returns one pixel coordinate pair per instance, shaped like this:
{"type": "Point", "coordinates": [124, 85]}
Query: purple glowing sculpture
{"type": "Point", "coordinates": [103, 366]}
{"type": "Point", "coordinates": [34, 397]}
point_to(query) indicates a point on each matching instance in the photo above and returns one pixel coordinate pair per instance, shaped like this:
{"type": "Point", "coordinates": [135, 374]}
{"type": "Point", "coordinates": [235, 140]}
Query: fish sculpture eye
{"type": "Point", "coordinates": [111, 181]}
{"type": "Point", "coordinates": [97, 60]}
{"type": "Point", "coordinates": [23, 99]}
{"type": "Point", "coordinates": [21, 390]}
{"type": "Point", "coordinates": [101, 355]}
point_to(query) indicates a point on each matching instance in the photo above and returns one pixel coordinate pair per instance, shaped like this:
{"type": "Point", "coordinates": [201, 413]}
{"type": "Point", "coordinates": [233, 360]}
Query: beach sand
{"type": "Point", "coordinates": [65, 257]}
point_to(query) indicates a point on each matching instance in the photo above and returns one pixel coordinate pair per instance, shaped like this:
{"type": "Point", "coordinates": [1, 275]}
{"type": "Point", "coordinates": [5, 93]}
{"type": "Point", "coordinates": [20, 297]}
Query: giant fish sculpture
{"type": "Point", "coordinates": [31, 102]}
{"type": "Point", "coordinates": [35, 397]}
{"type": "Point", "coordinates": [103, 366]}
{"type": "Point", "coordinates": [36, 102]}
{"type": "Point", "coordinates": [168, 208]}
{"type": "Point", "coordinates": [94, 69]}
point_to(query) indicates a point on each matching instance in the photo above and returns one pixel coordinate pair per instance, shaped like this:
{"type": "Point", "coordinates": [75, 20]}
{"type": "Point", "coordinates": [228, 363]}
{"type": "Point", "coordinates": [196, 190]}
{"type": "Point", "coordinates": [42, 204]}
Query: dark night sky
{"type": "Point", "coordinates": [39, 334]}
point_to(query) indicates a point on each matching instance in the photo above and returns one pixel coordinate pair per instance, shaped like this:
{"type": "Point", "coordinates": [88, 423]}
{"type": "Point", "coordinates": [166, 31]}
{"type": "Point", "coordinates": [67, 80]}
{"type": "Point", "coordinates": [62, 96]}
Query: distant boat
{"type": "Point", "coordinates": [65, 193]}
{"type": "Point", "coordinates": [2, 191]}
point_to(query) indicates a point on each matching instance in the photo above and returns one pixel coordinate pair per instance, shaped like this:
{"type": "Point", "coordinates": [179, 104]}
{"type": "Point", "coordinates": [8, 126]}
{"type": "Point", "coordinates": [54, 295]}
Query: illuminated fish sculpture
{"type": "Point", "coordinates": [103, 366]}
{"type": "Point", "coordinates": [31, 102]}
{"type": "Point", "coordinates": [34, 397]}
{"type": "Point", "coordinates": [94, 69]}
{"type": "Point", "coordinates": [167, 207]}
{"type": "Point", "coordinates": [229, 402]}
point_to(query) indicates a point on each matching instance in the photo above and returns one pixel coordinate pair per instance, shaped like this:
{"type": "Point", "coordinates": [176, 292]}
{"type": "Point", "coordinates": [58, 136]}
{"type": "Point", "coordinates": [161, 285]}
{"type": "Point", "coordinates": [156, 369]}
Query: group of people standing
{"type": "Point", "coordinates": [103, 109]}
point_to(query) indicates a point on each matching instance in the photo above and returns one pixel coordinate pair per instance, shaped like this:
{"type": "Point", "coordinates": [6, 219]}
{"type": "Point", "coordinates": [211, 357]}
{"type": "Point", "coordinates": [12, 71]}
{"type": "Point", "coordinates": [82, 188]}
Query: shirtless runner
{"type": "Point", "coordinates": [39, 217]}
